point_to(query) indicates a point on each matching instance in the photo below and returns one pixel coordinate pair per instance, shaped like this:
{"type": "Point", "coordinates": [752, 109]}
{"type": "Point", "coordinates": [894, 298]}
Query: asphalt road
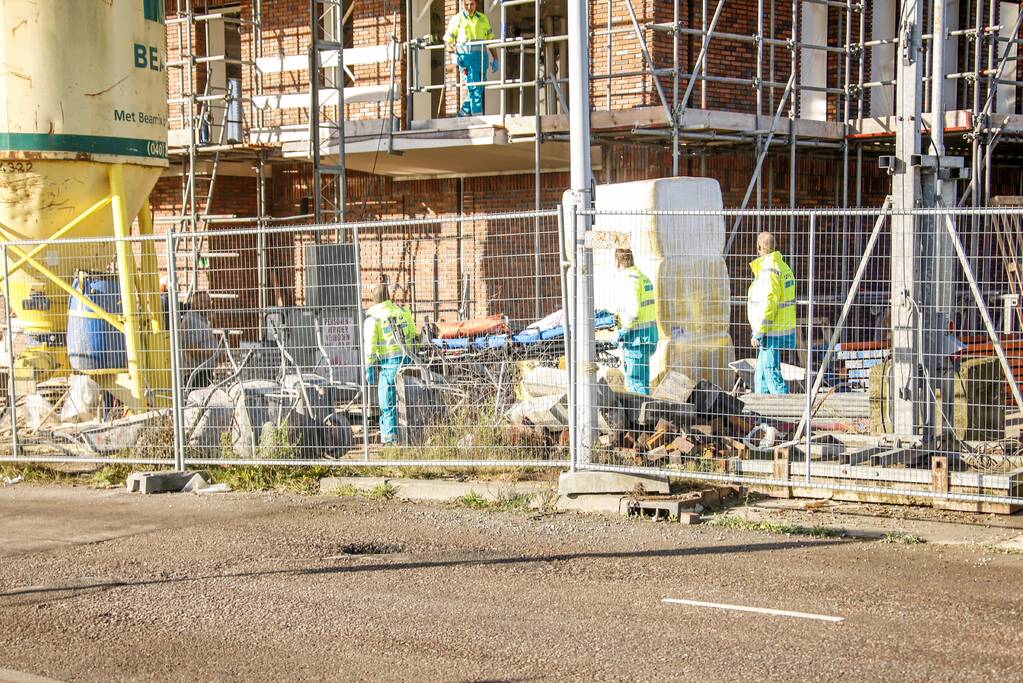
{"type": "Point", "coordinates": [97, 585]}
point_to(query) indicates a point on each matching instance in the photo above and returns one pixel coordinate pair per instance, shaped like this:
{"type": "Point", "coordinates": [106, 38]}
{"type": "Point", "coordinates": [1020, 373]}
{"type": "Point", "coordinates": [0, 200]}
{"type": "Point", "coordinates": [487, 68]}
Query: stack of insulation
{"type": "Point", "coordinates": [683, 255]}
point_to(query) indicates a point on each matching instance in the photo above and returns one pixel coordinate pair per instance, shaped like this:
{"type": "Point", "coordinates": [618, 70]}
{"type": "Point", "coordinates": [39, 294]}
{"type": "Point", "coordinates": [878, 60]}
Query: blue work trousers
{"type": "Point", "coordinates": [638, 345]}
{"type": "Point", "coordinates": [472, 63]}
{"type": "Point", "coordinates": [387, 395]}
{"type": "Point", "coordinates": [768, 379]}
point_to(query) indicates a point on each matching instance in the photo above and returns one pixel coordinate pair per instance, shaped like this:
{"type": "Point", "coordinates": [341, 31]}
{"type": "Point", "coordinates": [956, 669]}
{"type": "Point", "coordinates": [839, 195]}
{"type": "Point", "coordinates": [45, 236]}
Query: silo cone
{"type": "Point", "coordinates": [83, 131]}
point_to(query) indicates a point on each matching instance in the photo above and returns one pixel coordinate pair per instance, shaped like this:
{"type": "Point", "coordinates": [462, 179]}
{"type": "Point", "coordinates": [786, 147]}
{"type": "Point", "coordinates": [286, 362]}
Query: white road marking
{"type": "Point", "coordinates": [758, 610]}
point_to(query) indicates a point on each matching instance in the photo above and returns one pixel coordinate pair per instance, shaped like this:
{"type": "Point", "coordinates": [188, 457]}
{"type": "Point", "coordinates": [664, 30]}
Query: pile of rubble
{"type": "Point", "coordinates": [681, 420]}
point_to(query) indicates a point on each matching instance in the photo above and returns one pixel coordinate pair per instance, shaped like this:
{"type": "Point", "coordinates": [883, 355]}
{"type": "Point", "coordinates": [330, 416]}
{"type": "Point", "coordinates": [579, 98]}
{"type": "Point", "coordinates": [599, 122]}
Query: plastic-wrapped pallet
{"type": "Point", "coordinates": [693, 295]}
{"type": "Point", "coordinates": [656, 237]}
{"type": "Point", "coordinates": [683, 257]}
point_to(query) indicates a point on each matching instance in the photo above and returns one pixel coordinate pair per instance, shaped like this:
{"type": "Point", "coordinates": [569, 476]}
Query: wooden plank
{"type": "Point", "coordinates": [939, 474]}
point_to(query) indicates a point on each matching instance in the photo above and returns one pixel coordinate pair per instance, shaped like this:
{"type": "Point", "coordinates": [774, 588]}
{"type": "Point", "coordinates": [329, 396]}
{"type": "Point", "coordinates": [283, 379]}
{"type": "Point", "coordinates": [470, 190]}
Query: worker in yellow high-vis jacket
{"type": "Point", "coordinates": [637, 322]}
{"type": "Point", "coordinates": [464, 30]}
{"type": "Point", "coordinates": [380, 347]}
{"type": "Point", "coordinates": [771, 310]}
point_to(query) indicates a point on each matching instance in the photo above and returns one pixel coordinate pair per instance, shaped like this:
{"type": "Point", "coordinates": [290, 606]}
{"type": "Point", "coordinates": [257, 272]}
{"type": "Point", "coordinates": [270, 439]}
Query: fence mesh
{"type": "Point", "coordinates": [865, 352]}
{"type": "Point", "coordinates": [881, 343]}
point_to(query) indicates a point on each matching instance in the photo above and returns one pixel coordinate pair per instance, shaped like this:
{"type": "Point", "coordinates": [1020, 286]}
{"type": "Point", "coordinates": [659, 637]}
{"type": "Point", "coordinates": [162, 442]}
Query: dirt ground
{"type": "Point", "coordinates": [100, 585]}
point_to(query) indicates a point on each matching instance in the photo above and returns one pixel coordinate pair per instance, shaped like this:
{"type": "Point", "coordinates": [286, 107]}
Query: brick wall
{"type": "Point", "coordinates": [428, 265]}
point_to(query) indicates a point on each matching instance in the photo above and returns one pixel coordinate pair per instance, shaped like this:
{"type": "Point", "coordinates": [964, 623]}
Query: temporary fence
{"type": "Point", "coordinates": [887, 368]}
{"type": "Point", "coordinates": [249, 345]}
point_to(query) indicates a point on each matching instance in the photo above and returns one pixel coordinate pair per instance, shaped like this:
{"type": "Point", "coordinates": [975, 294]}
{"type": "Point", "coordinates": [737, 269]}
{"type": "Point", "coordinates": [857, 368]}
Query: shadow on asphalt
{"type": "Point", "coordinates": [423, 564]}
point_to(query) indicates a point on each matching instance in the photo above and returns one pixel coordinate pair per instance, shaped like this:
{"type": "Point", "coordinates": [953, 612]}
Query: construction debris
{"type": "Point", "coordinates": [166, 482]}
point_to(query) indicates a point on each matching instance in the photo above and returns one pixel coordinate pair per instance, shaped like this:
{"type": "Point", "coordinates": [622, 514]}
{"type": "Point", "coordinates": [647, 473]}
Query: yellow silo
{"type": "Point", "coordinates": [83, 139]}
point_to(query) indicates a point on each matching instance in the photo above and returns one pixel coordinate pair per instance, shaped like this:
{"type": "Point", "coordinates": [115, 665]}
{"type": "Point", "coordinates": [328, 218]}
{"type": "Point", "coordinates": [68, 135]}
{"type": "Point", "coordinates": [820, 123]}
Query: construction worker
{"type": "Point", "coordinates": [466, 27]}
{"type": "Point", "coordinates": [637, 322]}
{"type": "Point", "coordinates": [380, 347]}
{"type": "Point", "coordinates": [771, 310]}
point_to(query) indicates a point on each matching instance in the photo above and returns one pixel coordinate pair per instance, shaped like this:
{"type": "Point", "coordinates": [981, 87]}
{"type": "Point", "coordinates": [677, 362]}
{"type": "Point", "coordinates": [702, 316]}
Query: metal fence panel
{"type": "Point", "coordinates": [290, 382]}
{"type": "Point", "coordinates": [246, 346]}
{"type": "Point", "coordinates": [904, 337]}
{"type": "Point", "coordinates": [87, 365]}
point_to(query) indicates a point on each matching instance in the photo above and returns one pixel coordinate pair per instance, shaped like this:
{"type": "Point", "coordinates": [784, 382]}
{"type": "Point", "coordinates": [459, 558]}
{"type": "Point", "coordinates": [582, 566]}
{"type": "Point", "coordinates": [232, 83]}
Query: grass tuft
{"type": "Point", "coordinates": [902, 539]}
{"type": "Point", "coordinates": [506, 501]}
{"type": "Point", "coordinates": [383, 491]}
{"type": "Point", "coordinates": [741, 523]}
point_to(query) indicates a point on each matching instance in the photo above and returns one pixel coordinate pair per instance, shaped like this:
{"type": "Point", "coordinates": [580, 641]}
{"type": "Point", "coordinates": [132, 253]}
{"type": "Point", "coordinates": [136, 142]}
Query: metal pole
{"type": "Point", "coordinates": [363, 385]}
{"type": "Point", "coordinates": [674, 90]}
{"type": "Point", "coordinates": [567, 310]}
{"type": "Point", "coordinates": [793, 113]}
{"type": "Point", "coordinates": [262, 274]}
{"type": "Point", "coordinates": [760, 88]}
{"type": "Point", "coordinates": [579, 95]}
{"type": "Point", "coordinates": [580, 196]}
{"type": "Point", "coordinates": [938, 83]}
{"type": "Point", "coordinates": [314, 111]}
{"type": "Point", "coordinates": [537, 140]}
{"type": "Point", "coordinates": [342, 173]}
{"type": "Point", "coordinates": [809, 343]}
{"type": "Point", "coordinates": [12, 400]}
{"type": "Point", "coordinates": [702, 71]}
{"type": "Point", "coordinates": [175, 349]}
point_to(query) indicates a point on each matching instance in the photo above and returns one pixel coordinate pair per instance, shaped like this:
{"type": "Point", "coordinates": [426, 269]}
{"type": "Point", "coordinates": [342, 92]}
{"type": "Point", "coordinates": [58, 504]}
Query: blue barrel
{"type": "Point", "coordinates": [93, 343]}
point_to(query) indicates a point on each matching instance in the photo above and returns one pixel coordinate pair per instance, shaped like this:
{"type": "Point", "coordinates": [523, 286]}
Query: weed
{"type": "Point", "coordinates": [734, 522]}
{"type": "Point", "coordinates": [476, 432]}
{"type": "Point", "coordinates": [276, 442]}
{"type": "Point", "coordinates": [32, 473]}
{"type": "Point", "coordinates": [113, 475]}
{"type": "Point", "coordinates": [382, 491]}
{"type": "Point", "coordinates": [506, 501]}
{"type": "Point", "coordinates": [473, 501]}
{"type": "Point", "coordinates": [109, 475]}
{"type": "Point", "coordinates": [155, 441]}
{"type": "Point", "coordinates": [1004, 550]}
{"type": "Point", "coordinates": [271, 478]}
{"type": "Point", "coordinates": [509, 501]}
{"type": "Point", "coordinates": [902, 539]}
{"type": "Point", "coordinates": [346, 491]}
{"type": "Point", "coordinates": [546, 500]}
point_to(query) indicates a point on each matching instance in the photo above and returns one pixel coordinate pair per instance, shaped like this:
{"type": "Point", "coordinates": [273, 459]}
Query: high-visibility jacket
{"type": "Point", "coordinates": [636, 300]}
{"type": "Point", "coordinates": [378, 340]}
{"type": "Point", "coordinates": [463, 28]}
{"type": "Point", "coordinates": [771, 299]}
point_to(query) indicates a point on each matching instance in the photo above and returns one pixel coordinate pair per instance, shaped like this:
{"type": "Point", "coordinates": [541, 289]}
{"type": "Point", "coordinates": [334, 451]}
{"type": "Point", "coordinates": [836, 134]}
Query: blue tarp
{"type": "Point", "coordinates": [603, 320]}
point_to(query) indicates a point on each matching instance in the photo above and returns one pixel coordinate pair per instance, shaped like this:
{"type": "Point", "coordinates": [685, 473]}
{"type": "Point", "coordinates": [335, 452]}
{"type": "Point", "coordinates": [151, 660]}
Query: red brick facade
{"type": "Point", "coordinates": [434, 265]}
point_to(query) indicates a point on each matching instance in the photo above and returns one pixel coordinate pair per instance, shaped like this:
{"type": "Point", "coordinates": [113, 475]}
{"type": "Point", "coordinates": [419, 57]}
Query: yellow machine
{"type": "Point", "coordinates": [83, 140]}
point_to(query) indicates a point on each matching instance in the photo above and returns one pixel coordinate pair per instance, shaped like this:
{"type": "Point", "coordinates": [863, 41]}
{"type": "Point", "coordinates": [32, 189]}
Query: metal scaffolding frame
{"type": "Point", "coordinates": [208, 143]}
{"type": "Point", "coordinates": [783, 46]}
{"type": "Point", "coordinates": [840, 43]}
{"type": "Point", "coordinates": [327, 71]}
